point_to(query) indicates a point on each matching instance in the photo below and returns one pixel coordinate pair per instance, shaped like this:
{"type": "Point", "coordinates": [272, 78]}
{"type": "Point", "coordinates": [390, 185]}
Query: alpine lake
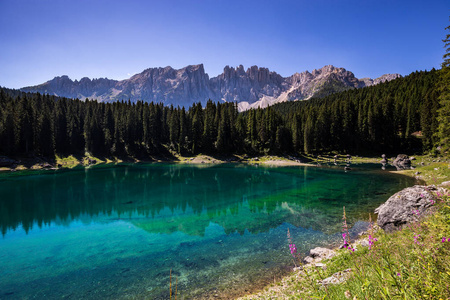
{"type": "Point", "coordinates": [119, 231]}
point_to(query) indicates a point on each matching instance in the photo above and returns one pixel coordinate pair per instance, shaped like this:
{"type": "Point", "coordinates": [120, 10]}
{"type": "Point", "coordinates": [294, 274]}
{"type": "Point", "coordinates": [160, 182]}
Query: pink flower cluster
{"type": "Point", "coordinates": [443, 239]}
{"type": "Point", "coordinates": [346, 244]}
{"type": "Point", "coordinates": [372, 240]}
{"type": "Point", "coordinates": [416, 240]}
{"type": "Point", "coordinates": [293, 249]}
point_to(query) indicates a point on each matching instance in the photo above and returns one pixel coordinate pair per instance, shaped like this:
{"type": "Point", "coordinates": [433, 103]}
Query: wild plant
{"type": "Point", "coordinates": [296, 256]}
{"type": "Point", "coordinates": [345, 233]}
{"type": "Point", "coordinates": [371, 238]}
{"type": "Point", "coordinates": [170, 286]}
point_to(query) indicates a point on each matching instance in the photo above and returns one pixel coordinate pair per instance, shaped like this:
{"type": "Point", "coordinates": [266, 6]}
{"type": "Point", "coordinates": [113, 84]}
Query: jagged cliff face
{"type": "Point", "coordinates": [251, 88]}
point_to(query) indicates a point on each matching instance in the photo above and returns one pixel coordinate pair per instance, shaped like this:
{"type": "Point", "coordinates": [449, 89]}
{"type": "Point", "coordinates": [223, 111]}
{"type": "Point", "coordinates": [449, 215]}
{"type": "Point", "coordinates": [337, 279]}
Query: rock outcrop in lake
{"type": "Point", "coordinates": [406, 206]}
{"type": "Point", "coordinates": [402, 162]}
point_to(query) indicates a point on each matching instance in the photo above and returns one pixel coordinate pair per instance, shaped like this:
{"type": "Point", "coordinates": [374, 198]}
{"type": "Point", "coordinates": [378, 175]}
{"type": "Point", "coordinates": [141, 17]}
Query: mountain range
{"type": "Point", "coordinates": [251, 88]}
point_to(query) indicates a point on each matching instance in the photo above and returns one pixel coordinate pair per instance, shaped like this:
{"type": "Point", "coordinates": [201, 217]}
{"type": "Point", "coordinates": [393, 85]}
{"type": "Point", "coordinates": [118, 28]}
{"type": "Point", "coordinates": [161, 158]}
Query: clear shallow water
{"type": "Point", "coordinates": [116, 231]}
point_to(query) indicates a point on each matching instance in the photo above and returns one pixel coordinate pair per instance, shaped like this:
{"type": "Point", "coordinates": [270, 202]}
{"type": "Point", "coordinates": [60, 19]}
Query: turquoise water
{"type": "Point", "coordinates": [117, 231]}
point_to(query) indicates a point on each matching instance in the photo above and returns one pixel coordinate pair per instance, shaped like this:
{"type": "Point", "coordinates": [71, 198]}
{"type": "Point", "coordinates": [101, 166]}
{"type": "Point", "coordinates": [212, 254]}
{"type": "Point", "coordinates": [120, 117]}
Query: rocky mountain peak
{"type": "Point", "coordinates": [254, 87]}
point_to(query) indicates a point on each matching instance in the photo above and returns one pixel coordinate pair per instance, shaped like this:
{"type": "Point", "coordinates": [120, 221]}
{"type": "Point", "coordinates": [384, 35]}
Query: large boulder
{"type": "Point", "coordinates": [402, 162]}
{"type": "Point", "coordinates": [406, 206]}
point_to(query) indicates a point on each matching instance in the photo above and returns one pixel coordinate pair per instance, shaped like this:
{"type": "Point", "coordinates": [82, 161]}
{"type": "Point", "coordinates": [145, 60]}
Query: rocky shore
{"type": "Point", "coordinates": [407, 206]}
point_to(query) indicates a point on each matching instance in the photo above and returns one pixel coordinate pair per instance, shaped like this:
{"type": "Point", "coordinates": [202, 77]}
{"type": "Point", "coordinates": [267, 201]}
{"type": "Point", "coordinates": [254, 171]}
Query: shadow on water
{"type": "Point", "coordinates": [116, 231]}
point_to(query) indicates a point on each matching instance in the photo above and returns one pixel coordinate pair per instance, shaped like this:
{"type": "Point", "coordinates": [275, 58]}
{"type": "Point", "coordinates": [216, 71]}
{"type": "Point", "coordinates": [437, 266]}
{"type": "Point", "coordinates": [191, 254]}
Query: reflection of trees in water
{"type": "Point", "coordinates": [122, 191]}
{"type": "Point", "coordinates": [236, 197]}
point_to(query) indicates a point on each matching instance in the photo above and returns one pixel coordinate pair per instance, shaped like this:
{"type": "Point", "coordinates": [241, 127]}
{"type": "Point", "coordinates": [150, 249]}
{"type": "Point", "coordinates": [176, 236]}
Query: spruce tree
{"type": "Point", "coordinates": [443, 133]}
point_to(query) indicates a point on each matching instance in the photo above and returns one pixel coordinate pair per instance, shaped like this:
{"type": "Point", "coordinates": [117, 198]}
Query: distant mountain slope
{"type": "Point", "coordinates": [255, 87]}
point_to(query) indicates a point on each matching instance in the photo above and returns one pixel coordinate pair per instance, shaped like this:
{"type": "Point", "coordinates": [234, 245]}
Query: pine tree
{"type": "Point", "coordinates": [443, 133]}
{"type": "Point", "coordinates": [210, 129]}
{"type": "Point", "coordinates": [197, 127]}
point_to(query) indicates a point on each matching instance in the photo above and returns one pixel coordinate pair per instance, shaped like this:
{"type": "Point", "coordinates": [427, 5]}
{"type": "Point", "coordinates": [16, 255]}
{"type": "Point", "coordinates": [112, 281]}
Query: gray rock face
{"type": "Point", "coordinates": [402, 162]}
{"type": "Point", "coordinates": [381, 79]}
{"type": "Point", "coordinates": [406, 206]}
{"type": "Point", "coordinates": [255, 87]}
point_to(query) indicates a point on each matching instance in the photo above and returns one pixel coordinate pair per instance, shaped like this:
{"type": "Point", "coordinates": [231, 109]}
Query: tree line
{"type": "Point", "coordinates": [400, 115]}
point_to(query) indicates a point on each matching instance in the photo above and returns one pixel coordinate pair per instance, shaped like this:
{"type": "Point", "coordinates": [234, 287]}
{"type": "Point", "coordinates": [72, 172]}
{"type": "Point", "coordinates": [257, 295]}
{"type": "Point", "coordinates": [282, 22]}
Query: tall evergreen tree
{"type": "Point", "coordinates": [444, 99]}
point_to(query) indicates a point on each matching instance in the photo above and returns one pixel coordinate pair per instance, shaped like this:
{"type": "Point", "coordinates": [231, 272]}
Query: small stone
{"type": "Point", "coordinates": [347, 294]}
{"type": "Point", "coordinates": [321, 265]}
{"type": "Point", "coordinates": [364, 243]}
{"type": "Point", "coordinates": [308, 259]}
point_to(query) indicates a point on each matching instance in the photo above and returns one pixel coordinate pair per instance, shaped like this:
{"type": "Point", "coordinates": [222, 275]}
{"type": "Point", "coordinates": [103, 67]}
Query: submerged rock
{"type": "Point", "coordinates": [406, 206]}
{"type": "Point", "coordinates": [402, 162]}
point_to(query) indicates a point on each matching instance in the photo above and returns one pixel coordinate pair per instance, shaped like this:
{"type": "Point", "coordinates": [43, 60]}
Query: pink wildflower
{"type": "Point", "coordinates": [293, 249]}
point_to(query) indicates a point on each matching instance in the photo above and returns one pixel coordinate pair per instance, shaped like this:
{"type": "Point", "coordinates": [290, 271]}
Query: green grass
{"type": "Point", "coordinates": [67, 162]}
{"type": "Point", "coordinates": [433, 171]}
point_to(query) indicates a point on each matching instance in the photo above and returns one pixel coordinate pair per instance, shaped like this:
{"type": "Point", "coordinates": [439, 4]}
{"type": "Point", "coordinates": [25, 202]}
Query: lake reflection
{"type": "Point", "coordinates": [117, 231]}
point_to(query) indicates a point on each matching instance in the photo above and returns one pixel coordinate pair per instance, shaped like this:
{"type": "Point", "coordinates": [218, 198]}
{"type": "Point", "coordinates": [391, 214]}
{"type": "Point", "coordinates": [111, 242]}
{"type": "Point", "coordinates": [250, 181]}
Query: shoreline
{"type": "Point", "coordinates": [283, 284]}
{"type": "Point", "coordinates": [38, 163]}
{"type": "Point", "coordinates": [41, 163]}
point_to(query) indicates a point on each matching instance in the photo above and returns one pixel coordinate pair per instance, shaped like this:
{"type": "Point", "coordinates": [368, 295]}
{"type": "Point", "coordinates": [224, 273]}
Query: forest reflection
{"type": "Point", "coordinates": [167, 197]}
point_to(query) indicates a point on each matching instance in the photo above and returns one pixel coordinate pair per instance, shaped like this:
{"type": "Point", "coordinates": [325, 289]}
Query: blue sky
{"type": "Point", "coordinates": [41, 39]}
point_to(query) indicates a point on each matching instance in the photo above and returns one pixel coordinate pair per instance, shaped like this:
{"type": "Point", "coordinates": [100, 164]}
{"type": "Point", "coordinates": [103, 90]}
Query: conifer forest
{"type": "Point", "coordinates": [400, 115]}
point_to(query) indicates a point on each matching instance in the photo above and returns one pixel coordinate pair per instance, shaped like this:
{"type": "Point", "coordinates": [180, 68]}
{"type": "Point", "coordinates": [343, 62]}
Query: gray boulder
{"type": "Point", "coordinates": [321, 252]}
{"type": "Point", "coordinates": [445, 183]}
{"type": "Point", "coordinates": [406, 206]}
{"type": "Point", "coordinates": [402, 162]}
{"type": "Point", "coordinates": [317, 254]}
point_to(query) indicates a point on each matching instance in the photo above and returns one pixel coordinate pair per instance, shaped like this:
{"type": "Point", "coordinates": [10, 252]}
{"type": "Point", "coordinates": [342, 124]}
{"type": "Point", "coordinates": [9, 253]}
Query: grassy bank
{"type": "Point", "coordinates": [408, 264]}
